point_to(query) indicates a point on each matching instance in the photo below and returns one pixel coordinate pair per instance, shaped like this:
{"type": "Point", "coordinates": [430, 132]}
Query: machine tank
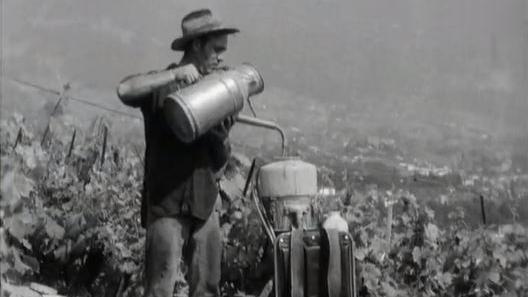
{"type": "Point", "coordinates": [288, 177]}
{"type": "Point", "coordinates": [287, 188]}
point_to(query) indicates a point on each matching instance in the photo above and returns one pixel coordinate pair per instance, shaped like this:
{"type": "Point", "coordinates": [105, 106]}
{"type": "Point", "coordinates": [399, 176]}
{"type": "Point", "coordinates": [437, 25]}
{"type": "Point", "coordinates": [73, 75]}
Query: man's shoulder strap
{"type": "Point", "coordinates": [330, 243]}
{"type": "Point", "coordinates": [297, 265]}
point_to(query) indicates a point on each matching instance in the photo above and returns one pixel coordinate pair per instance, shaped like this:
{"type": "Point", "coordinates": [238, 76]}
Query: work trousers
{"type": "Point", "coordinates": [173, 241]}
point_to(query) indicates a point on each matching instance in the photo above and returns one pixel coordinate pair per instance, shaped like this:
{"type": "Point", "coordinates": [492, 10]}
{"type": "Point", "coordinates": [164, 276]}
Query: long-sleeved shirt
{"type": "Point", "coordinates": [179, 177]}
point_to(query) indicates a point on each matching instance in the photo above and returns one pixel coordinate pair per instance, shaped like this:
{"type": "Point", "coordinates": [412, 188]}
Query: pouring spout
{"type": "Point", "coordinates": [265, 124]}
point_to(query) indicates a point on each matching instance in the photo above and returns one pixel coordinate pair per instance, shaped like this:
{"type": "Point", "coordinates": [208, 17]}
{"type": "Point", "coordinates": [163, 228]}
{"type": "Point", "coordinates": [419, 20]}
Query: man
{"type": "Point", "coordinates": [180, 195]}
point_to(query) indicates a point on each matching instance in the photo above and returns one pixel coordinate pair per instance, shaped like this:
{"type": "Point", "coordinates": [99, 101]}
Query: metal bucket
{"type": "Point", "coordinates": [195, 109]}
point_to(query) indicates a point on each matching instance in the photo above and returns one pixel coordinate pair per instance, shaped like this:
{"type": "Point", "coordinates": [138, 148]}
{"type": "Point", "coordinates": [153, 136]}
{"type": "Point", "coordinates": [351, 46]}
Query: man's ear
{"type": "Point", "coordinates": [196, 44]}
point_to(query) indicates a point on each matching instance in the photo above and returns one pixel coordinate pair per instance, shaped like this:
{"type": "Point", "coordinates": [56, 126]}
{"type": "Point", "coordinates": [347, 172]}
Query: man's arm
{"type": "Point", "coordinates": [135, 88]}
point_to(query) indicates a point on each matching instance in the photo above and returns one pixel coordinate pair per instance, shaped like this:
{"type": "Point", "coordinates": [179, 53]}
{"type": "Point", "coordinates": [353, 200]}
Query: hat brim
{"type": "Point", "coordinates": [179, 43]}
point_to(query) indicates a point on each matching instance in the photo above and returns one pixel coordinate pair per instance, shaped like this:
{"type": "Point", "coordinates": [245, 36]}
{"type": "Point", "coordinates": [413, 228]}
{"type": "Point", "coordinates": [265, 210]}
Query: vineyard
{"type": "Point", "coordinates": [70, 220]}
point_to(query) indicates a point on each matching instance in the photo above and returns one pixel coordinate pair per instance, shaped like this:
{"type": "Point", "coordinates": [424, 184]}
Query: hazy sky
{"type": "Point", "coordinates": [459, 54]}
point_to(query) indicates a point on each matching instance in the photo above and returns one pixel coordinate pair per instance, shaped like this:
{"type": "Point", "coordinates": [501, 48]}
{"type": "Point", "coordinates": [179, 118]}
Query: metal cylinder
{"type": "Point", "coordinates": [195, 109]}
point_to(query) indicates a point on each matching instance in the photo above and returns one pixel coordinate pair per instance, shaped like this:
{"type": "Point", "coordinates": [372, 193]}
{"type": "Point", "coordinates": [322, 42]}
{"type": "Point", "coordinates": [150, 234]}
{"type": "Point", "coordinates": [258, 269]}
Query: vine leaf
{"type": "Point", "coordinates": [14, 186]}
{"type": "Point", "coordinates": [494, 276]}
{"type": "Point", "coordinates": [53, 229]}
{"type": "Point", "coordinates": [445, 279]}
{"type": "Point", "coordinates": [20, 226]}
{"type": "Point", "coordinates": [432, 232]}
{"type": "Point", "coordinates": [499, 255]}
{"type": "Point", "coordinates": [416, 254]}
{"type": "Point", "coordinates": [20, 266]}
{"type": "Point", "coordinates": [388, 289]}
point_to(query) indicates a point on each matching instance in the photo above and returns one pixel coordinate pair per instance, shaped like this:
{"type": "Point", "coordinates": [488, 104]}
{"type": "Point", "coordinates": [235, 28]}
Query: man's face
{"type": "Point", "coordinates": [209, 53]}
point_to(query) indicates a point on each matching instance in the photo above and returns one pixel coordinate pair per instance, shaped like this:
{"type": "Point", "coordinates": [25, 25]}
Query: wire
{"type": "Point", "coordinates": [265, 223]}
{"type": "Point", "coordinates": [83, 101]}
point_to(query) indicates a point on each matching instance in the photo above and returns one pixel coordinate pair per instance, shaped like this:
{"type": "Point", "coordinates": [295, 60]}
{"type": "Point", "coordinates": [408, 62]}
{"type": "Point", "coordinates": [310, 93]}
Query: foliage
{"type": "Point", "coordinates": [69, 221]}
{"type": "Point", "coordinates": [72, 222]}
{"type": "Point", "coordinates": [415, 257]}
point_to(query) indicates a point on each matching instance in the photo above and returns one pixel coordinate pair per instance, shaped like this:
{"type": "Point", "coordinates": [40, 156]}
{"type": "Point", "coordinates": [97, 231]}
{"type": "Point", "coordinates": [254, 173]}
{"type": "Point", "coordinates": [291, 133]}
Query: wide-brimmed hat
{"type": "Point", "coordinates": [199, 23]}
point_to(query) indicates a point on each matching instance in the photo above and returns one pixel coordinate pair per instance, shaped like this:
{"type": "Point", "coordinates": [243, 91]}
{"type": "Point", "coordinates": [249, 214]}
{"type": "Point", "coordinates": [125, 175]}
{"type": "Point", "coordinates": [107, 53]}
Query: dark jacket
{"type": "Point", "coordinates": [179, 177]}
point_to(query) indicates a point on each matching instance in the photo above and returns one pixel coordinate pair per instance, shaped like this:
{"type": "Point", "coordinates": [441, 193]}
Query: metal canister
{"type": "Point", "coordinates": [195, 109]}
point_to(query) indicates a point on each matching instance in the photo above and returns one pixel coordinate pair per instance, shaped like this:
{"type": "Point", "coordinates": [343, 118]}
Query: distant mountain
{"type": "Point", "coordinates": [334, 70]}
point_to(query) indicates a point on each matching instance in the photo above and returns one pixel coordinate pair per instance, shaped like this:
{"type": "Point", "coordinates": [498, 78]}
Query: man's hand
{"type": "Point", "coordinates": [229, 122]}
{"type": "Point", "coordinates": [221, 131]}
{"type": "Point", "coordinates": [187, 73]}
{"type": "Point", "coordinates": [226, 124]}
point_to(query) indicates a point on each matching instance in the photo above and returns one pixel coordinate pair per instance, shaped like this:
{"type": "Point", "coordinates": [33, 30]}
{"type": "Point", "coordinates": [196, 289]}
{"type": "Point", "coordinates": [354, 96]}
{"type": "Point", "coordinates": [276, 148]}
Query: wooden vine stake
{"type": "Point", "coordinates": [105, 136]}
{"type": "Point", "coordinates": [46, 132]}
{"type": "Point", "coordinates": [62, 96]}
{"type": "Point", "coordinates": [18, 138]}
{"type": "Point", "coordinates": [72, 142]}
{"type": "Point", "coordinates": [389, 223]}
{"type": "Point", "coordinates": [389, 204]}
{"type": "Point", "coordinates": [482, 209]}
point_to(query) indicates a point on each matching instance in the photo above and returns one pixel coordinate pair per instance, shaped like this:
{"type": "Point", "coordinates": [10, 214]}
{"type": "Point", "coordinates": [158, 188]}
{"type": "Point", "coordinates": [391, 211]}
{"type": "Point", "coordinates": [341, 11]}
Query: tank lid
{"type": "Point", "coordinates": [290, 177]}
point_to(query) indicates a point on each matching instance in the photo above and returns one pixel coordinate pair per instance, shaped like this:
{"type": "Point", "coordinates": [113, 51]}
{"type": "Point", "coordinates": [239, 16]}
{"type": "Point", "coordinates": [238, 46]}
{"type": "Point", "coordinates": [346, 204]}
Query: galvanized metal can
{"type": "Point", "coordinates": [195, 109]}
